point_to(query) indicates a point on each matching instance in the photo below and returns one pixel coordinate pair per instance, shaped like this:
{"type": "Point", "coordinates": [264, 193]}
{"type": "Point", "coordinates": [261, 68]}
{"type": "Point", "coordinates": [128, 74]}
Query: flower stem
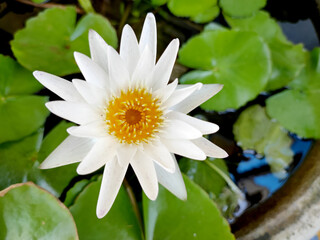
{"type": "Point", "coordinates": [231, 184]}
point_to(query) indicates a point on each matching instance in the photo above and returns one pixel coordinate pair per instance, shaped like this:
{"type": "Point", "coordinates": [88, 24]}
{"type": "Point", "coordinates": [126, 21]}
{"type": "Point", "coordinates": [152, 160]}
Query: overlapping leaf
{"type": "Point", "coordinates": [238, 60]}
{"type": "Point", "coordinates": [49, 40]}
{"type": "Point", "coordinates": [241, 8]}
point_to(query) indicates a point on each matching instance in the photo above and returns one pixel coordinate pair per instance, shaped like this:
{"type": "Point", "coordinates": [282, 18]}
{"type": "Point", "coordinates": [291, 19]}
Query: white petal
{"type": "Point", "coordinates": [129, 48]}
{"type": "Point", "coordinates": [59, 86]}
{"type": "Point", "coordinates": [111, 181]}
{"type": "Point", "coordinates": [98, 49]}
{"type": "Point", "coordinates": [197, 98]}
{"type": "Point", "coordinates": [203, 126]}
{"type": "Point", "coordinates": [119, 74]}
{"type": "Point", "coordinates": [172, 181]}
{"type": "Point", "coordinates": [164, 66]}
{"type": "Point", "coordinates": [210, 149]}
{"type": "Point", "coordinates": [146, 174]}
{"type": "Point", "coordinates": [165, 92]}
{"type": "Point", "coordinates": [149, 36]}
{"type": "Point", "coordinates": [181, 94]}
{"type": "Point", "coordinates": [103, 151]}
{"type": "Point", "coordinates": [80, 113]}
{"type": "Point", "coordinates": [94, 129]}
{"type": "Point", "coordinates": [160, 154]}
{"type": "Point", "coordinates": [91, 93]}
{"type": "Point", "coordinates": [125, 153]}
{"type": "Point", "coordinates": [71, 150]}
{"type": "Point", "coordinates": [177, 129]}
{"type": "Point", "coordinates": [91, 71]}
{"type": "Point", "coordinates": [184, 148]}
{"type": "Point", "coordinates": [143, 69]}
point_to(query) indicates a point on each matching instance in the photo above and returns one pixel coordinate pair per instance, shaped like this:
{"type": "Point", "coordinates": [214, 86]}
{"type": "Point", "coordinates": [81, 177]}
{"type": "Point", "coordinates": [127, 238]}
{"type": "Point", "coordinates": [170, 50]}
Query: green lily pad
{"type": "Point", "coordinates": [21, 116]}
{"type": "Point", "coordinates": [205, 176]}
{"type": "Point", "coordinates": [238, 60]}
{"type": "Point", "coordinates": [190, 8]}
{"type": "Point", "coordinates": [73, 193]}
{"type": "Point", "coordinates": [120, 222]}
{"type": "Point", "coordinates": [16, 80]}
{"type": "Point", "coordinates": [287, 58]}
{"type": "Point", "coordinates": [29, 212]}
{"type": "Point", "coordinates": [171, 218]}
{"type": "Point", "coordinates": [158, 2]}
{"type": "Point", "coordinates": [48, 41]}
{"type": "Point", "coordinates": [20, 161]}
{"type": "Point", "coordinates": [241, 8]}
{"type": "Point", "coordinates": [256, 131]}
{"type": "Point", "coordinates": [207, 15]}
{"type": "Point", "coordinates": [297, 109]}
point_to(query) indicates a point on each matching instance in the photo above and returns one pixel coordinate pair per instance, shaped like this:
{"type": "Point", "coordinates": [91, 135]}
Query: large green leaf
{"type": "Point", "coordinates": [287, 58]}
{"type": "Point", "coordinates": [297, 109]}
{"type": "Point", "coordinates": [190, 8]}
{"type": "Point", "coordinates": [197, 218]}
{"type": "Point", "coordinates": [21, 116]}
{"type": "Point", "coordinates": [120, 222]}
{"type": "Point", "coordinates": [207, 15]}
{"type": "Point", "coordinates": [256, 131]}
{"type": "Point", "coordinates": [238, 60]}
{"type": "Point", "coordinates": [19, 161]}
{"type": "Point", "coordinates": [28, 212]}
{"type": "Point", "coordinates": [204, 175]}
{"type": "Point", "coordinates": [48, 41]}
{"type": "Point", "coordinates": [241, 8]}
{"type": "Point", "coordinates": [15, 80]}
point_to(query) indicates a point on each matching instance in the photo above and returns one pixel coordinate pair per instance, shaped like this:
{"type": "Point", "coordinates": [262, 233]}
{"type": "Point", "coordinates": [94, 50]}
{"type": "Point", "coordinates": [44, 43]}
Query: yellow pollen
{"type": "Point", "coordinates": [134, 117]}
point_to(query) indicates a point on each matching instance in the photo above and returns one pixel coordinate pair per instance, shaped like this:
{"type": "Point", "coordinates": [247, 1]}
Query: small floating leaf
{"type": "Point", "coordinates": [241, 8]}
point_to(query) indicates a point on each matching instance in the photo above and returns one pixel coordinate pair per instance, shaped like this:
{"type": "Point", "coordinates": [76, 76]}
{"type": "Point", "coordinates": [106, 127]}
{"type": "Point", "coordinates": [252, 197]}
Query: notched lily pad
{"type": "Point", "coordinates": [241, 8]}
{"type": "Point", "coordinates": [254, 130]}
{"type": "Point", "coordinates": [287, 58]}
{"type": "Point", "coordinates": [48, 41]}
{"type": "Point", "coordinates": [120, 222]}
{"type": "Point", "coordinates": [29, 212]}
{"type": "Point", "coordinates": [297, 109]}
{"type": "Point", "coordinates": [238, 60]}
{"type": "Point", "coordinates": [196, 218]}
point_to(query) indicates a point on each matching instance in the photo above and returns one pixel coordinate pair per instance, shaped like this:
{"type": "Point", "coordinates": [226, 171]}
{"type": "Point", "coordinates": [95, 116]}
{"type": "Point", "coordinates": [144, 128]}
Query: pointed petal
{"type": "Point", "coordinates": [143, 68]}
{"type": "Point", "coordinates": [91, 71]}
{"type": "Point", "coordinates": [210, 149]}
{"type": "Point", "coordinates": [59, 86]}
{"type": "Point", "coordinates": [149, 36]}
{"type": "Point", "coordinates": [125, 153]}
{"type": "Point", "coordinates": [162, 71]}
{"type": "Point", "coordinates": [184, 148]}
{"type": "Point", "coordinates": [181, 94]}
{"type": "Point", "coordinates": [119, 74]}
{"type": "Point", "coordinates": [80, 113]}
{"type": "Point", "coordinates": [165, 92]}
{"type": "Point", "coordinates": [197, 98]}
{"type": "Point", "coordinates": [98, 50]}
{"type": "Point", "coordinates": [160, 154]}
{"type": "Point", "coordinates": [91, 93]}
{"type": "Point", "coordinates": [103, 151]}
{"type": "Point", "coordinates": [172, 181]}
{"type": "Point", "coordinates": [71, 150]}
{"type": "Point", "coordinates": [146, 174]}
{"type": "Point", "coordinates": [203, 126]}
{"type": "Point", "coordinates": [177, 129]}
{"type": "Point", "coordinates": [129, 48]}
{"type": "Point", "coordinates": [111, 181]}
{"type": "Point", "coordinates": [96, 129]}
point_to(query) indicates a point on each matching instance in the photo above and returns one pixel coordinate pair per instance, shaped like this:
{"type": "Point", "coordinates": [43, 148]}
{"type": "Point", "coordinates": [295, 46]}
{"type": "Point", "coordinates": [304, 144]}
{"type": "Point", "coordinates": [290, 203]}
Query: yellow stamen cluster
{"type": "Point", "coordinates": [134, 117]}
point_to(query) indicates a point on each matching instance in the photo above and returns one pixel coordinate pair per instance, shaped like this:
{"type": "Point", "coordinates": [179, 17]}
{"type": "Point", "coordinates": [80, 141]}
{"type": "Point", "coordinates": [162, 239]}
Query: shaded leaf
{"type": "Point", "coordinates": [171, 218]}
{"type": "Point", "coordinates": [28, 212]}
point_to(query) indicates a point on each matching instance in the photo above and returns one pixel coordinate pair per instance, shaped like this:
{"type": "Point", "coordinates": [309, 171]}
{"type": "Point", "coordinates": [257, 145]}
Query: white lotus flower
{"type": "Point", "coordinates": [128, 114]}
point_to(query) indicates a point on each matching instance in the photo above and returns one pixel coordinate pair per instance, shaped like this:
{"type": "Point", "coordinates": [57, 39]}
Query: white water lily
{"type": "Point", "coordinates": [128, 114]}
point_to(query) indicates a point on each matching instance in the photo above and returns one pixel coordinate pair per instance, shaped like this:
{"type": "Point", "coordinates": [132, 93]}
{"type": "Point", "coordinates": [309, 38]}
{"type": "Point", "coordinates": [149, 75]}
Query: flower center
{"type": "Point", "coordinates": [134, 117]}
